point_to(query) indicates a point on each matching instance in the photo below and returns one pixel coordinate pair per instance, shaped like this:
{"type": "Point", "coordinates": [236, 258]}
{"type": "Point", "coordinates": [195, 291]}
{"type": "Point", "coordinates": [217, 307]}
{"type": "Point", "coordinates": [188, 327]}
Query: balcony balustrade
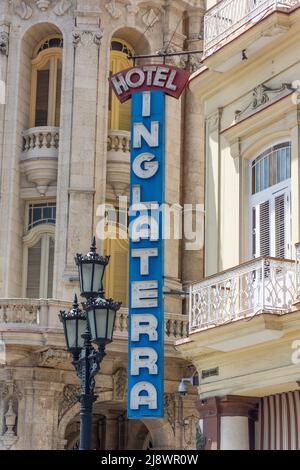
{"type": "Point", "coordinates": [118, 163]}
{"type": "Point", "coordinates": [40, 156]}
{"type": "Point", "coordinates": [42, 315]}
{"type": "Point", "coordinates": [232, 17]}
{"type": "Point", "coordinates": [262, 285]}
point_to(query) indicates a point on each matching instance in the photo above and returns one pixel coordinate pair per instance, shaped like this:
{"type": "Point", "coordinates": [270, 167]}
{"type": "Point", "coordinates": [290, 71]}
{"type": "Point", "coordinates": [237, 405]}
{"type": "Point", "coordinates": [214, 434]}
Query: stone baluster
{"type": "Point", "coordinates": [44, 139]}
{"type": "Point", "coordinates": [53, 140]}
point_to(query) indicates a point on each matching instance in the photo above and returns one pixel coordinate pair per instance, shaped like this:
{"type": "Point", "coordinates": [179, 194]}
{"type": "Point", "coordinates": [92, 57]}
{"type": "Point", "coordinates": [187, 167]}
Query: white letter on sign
{"type": "Point", "coordinates": [140, 131]}
{"type": "Point", "coordinates": [149, 400]}
{"type": "Point", "coordinates": [150, 169]}
{"type": "Point", "coordinates": [144, 255]}
{"type": "Point", "coordinates": [141, 78]}
{"type": "Point", "coordinates": [144, 324]}
{"type": "Point", "coordinates": [119, 83]}
{"type": "Point", "coordinates": [144, 294]}
{"type": "Point", "coordinates": [144, 358]}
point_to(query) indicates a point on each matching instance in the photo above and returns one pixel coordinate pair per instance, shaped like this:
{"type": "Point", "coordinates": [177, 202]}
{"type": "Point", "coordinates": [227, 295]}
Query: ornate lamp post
{"type": "Point", "coordinates": [83, 328]}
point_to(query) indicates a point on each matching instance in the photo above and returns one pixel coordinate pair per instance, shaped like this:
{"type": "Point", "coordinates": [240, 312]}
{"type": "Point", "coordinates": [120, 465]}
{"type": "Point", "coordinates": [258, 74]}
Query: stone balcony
{"type": "Point", "coordinates": [231, 18]}
{"type": "Point", "coordinates": [40, 156]}
{"type": "Point", "coordinates": [118, 163]}
{"type": "Point", "coordinates": [263, 285]}
{"type": "Point", "coordinates": [34, 324]}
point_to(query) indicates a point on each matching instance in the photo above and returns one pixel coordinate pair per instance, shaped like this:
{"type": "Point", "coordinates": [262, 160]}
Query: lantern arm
{"type": "Point", "coordinates": [87, 366]}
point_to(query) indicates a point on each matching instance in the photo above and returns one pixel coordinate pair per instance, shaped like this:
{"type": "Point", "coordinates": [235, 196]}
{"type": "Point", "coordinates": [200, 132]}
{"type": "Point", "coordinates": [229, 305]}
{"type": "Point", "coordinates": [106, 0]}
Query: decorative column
{"type": "Point", "coordinates": [212, 196]}
{"type": "Point", "coordinates": [4, 48]}
{"type": "Point", "coordinates": [194, 157]}
{"type": "Point", "coordinates": [86, 39]}
{"type": "Point", "coordinates": [227, 423]}
{"type": "Point", "coordinates": [112, 431]}
{"type": "Point", "coordinates": [173, 156]}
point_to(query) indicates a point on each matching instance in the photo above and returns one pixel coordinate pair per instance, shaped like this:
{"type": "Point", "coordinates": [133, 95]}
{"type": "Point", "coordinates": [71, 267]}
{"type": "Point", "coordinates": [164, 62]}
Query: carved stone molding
{"type": "Point", "coordinates": [22, 9]}
{"type": "Point", "coordinates": [170, 408]}
{"type": "Point", "coordinates": [133, 7]}
{"type": "Point", "coordinates": [194, 62]}
{"type": "Point", "coordinates": [113, 9]}
{"type": "Point", "coordinates": [261, 96]}
{"type": "Point", "coordinates": [53, 358]}
{"type": "Point", "coordinates": [4, 42]}
{"type": "Point", "coordinates": [180, 61]}
{"type": "Point", "coordinates": [120, 385]}
{"type": "Point", "coordinates": [25, 8]}
{"type": "Point", "coordinates": [69, 398]}
{"type": "Point", "coordinates": [212, 121]}
{"type": "Point", "coordinates": [87, 38]}
{"type": "Point", "coordinates": [62, 7]}
{"type": "Point", "coordinates": [150, 17]}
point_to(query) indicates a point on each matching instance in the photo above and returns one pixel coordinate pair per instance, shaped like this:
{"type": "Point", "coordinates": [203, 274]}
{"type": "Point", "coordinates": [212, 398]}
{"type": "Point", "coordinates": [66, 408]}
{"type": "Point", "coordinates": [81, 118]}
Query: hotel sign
{"type": "Point", "coordinates": [147, 86]}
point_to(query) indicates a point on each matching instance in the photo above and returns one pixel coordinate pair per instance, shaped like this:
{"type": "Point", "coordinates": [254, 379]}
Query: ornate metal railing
{"type": "Point", "coordinates": [228, 16]}
{"type": "Point", "coordinates": [261, 285]}
{"type": "Point", "coordinates": [39, 314]}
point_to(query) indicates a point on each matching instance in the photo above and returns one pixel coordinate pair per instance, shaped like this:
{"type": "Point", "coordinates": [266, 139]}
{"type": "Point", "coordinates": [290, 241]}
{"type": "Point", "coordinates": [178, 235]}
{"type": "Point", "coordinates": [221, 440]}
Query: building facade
{"type": "Point", "coordinates": [244, 328]}
{"type": "Point", "coordinates": [64, 152]}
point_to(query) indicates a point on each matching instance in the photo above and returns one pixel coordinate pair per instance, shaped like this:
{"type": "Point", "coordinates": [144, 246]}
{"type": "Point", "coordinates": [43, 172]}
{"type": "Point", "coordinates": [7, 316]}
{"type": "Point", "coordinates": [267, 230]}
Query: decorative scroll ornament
{"type": "Point", "coordinates": [4, 42]}
{"type": "Point", "coordinates": [150, 17]}
{"type": "Point", "coordinates": [113, 9]}
{"type": "Point", "coordinates": [87, 38]}
{"type": "Point", "coordinates": [53, 357]}
{"type": "Point", "coordinates": [69, 398]}
{"type": "Point", "coordinates": [62, 7]}
{"type": "Point", "coordinates": [23, 10]}
{"type": "Point", "coordinates": [262, 95]}
{"type": "Point", "coordinates": [170, 408]}
{"type": "Point", "coordinates": [194, 62]}
{"type": "Point", "coordinates": [120, 385]}
{"type": "Point", "coordinates": [133, 8]}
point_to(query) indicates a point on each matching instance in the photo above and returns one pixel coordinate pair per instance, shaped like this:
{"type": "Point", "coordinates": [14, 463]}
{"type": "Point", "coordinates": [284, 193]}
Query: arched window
{"type": "Point", "coordinates": [119, 114]}
{"type": "Point", "coordinates": [270, 207]}
{"type": "Point", "coordinates": [38, 262]}
{"type": "Point", "coordinates": [46, 83]}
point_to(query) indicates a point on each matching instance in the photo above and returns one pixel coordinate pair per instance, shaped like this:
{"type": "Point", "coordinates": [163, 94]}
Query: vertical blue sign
{"type": "Point", "coordinates": [146, 310]}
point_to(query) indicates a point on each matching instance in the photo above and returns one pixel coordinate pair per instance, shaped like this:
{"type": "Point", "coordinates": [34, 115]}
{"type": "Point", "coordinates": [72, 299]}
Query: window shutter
{"type": "Point", "coordinates": [33, 271]}
{"type": "Point", "coordinates": [280, 226]}
{"type": "Point", "coordinates": [264, 229]}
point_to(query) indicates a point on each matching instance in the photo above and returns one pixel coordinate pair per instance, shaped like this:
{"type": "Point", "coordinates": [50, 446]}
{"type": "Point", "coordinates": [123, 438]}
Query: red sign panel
{"type": "Point", "coordinates": [166, 78]}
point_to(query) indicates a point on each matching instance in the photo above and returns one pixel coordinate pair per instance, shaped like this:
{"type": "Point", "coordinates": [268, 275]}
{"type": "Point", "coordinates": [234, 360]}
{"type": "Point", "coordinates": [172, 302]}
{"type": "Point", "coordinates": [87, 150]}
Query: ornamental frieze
{"type": "Point", "coordinates": [263, 95]}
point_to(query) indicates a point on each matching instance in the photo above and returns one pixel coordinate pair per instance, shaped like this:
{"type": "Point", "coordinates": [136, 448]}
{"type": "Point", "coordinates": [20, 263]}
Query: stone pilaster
{"type": "Point", "coordinates": [227, 423]}
{"type": "Point", "coordinates": [38, 417]}
{"type": "Point", "coordinates": [86, 39]}
{"type": "Point", "coordinates": [112, 431]}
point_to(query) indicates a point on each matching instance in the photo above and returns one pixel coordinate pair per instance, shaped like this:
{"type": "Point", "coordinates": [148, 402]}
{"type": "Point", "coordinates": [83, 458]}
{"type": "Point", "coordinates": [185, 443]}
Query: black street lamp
{"type": "Point", "coordinates": [94, 324]}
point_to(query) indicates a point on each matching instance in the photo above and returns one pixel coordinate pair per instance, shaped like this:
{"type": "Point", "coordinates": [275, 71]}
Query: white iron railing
{"type": "Point", "coordinates": [262, 285]}
{"type": "Point", "coordinates": [228, 16]}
